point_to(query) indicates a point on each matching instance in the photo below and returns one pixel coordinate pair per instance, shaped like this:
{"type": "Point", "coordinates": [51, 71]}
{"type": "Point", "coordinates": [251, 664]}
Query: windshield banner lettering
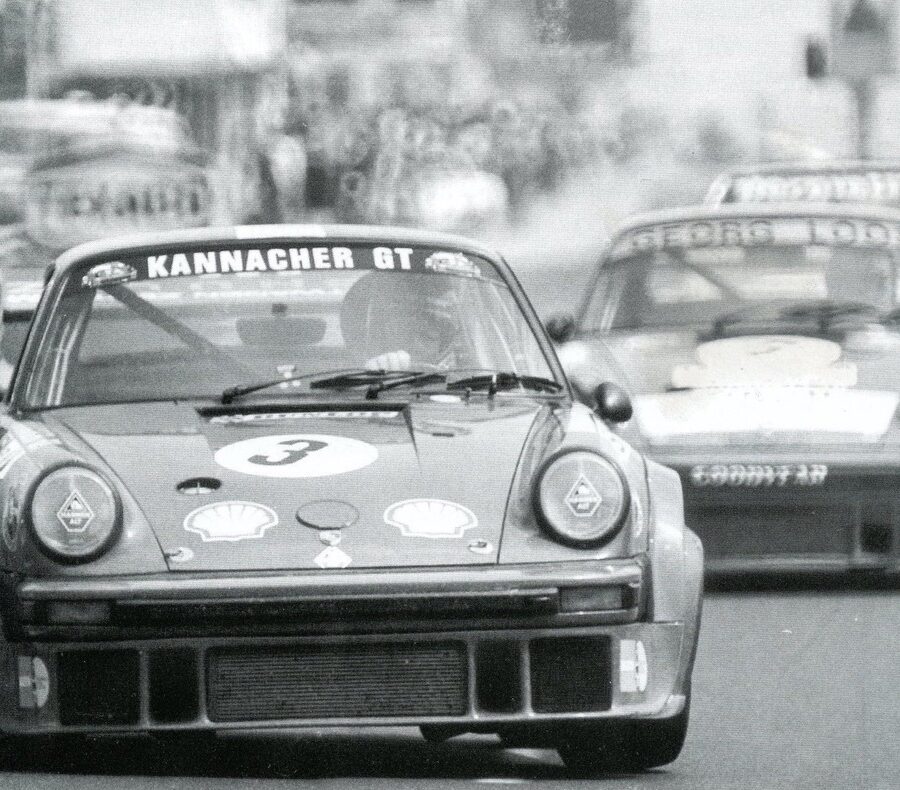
{"type": "Point", "coordinates": [752, 232]}
{"type": "Point", "coordinates": [869, 187]}
{"type": "Point", "coordinates": [286, 258]}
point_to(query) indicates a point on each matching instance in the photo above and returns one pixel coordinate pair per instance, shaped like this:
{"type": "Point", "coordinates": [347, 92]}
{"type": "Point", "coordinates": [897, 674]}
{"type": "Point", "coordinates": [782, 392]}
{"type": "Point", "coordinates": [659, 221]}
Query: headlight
{"type": "Point", "coordinates": [581, 498]}
{"type": "Point", "coordinates": [74, 513]}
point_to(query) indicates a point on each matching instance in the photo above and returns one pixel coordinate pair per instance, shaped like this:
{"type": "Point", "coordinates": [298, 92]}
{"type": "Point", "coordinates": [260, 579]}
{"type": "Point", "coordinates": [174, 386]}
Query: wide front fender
{"type": "Point", "coordinates": [676, 565]}
{"type": "Point", "coordinates": [676, 554]}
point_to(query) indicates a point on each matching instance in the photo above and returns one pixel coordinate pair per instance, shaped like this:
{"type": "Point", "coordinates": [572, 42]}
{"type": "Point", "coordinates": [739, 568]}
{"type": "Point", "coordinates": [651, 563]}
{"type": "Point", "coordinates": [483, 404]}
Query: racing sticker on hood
{"type": "Point", "coordinates": [672, 415]}
{"type": "Point", "coordinates": [332, 558]}
{"type": "Point", "coordinates": [230, 521]}
{"type": "Point", "coordinates": [281, 416]}
{"type": "Point", "coordinates": [765, 384]}
{"type": "Point", "coordinates": [779, 360]}
{"type": "Point", "coordinates": [296, 455]}
{"type": "Point", "coordinates": [430, 518]}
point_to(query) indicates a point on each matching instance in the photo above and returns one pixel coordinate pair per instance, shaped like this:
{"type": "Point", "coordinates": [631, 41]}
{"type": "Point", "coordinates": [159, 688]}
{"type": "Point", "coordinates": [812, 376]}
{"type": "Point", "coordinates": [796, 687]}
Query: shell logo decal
{"type": "Point", "coordinates": [430, 518]}
{"type": "Point", "coordinates": [230, 521]}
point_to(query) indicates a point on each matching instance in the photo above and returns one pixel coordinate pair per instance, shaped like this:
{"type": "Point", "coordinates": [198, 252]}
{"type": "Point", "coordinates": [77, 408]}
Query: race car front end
{"type": "Point", "coordinates": [533, 636]}
{"type": "Point", "coordinates": [528, 644]}
{"type": "Point", "coordinates": [326, 541]}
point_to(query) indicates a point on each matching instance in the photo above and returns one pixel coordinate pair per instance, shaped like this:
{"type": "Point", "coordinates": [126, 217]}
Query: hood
{"type": "Point", "coordinates": [386, 485]}
{"type": "Point", "coordinates": [753, 389]}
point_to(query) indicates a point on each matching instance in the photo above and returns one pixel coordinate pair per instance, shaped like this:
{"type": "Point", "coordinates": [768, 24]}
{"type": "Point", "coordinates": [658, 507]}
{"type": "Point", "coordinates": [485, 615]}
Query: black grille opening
{"type": "Point", "coordinates": [753, 530]}
{"type": "Point", "coordinates": [498, 680]}
{"type": "Point", "coordinates": [98, 687]}
{"type": "Point", "coordinates": [571, 675]}
{"type": "Point", "coordinates": [877, 538]}
{"type": "Point", "coordinates": [876, 530]}
{"type": "Point", "coordinates": [338, 681]}
{"type": "Point", "coordinates": [173, 686]}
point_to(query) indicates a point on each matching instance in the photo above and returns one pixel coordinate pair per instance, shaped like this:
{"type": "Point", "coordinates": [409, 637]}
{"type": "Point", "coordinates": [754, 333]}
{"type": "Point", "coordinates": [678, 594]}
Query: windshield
{"type": "Point", "coordinates": [784, 273]}
{"type": "Point", "coordinates": [192, 323]}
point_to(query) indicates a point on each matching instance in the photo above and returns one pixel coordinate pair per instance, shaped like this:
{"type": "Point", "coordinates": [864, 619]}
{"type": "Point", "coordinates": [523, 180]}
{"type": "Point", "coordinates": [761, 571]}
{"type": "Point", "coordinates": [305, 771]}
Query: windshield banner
{"type": "Point", "coordinates": [285, 258]}
{"type": "Point", "coordinates": [866, 187]}
{"type": "Point", "coordinates": [751, 232]}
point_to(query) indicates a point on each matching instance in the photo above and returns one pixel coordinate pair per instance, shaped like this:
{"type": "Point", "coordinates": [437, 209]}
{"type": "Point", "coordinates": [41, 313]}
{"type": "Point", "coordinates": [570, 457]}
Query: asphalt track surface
{"type": "Point", "coordinates": [792, 689]}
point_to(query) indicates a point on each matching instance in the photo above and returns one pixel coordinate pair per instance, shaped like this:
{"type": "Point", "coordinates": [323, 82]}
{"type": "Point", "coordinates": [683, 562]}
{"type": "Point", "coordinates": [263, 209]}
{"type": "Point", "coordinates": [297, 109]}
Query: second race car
{"type": "Point", "coordinates": [762, 344]}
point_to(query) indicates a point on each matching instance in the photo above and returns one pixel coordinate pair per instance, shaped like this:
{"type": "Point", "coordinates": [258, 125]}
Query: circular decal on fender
{"type": "Point", "coordinates": [296, 455]}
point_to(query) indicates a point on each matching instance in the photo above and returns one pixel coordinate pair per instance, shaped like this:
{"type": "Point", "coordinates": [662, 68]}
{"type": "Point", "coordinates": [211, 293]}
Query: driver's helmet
{"type": "Point", "coordinates": [416, 313]}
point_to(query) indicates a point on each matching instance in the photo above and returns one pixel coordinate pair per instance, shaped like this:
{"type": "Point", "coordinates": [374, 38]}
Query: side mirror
{"type": "Point", "coordinates": [612, 403]}
{"type": "Point", "coordinates": [560, 327]}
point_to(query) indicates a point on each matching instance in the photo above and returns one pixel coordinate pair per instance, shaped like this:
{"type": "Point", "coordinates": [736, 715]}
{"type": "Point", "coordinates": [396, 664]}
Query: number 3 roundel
{"type": "Point", "coordinates": [296, 455]}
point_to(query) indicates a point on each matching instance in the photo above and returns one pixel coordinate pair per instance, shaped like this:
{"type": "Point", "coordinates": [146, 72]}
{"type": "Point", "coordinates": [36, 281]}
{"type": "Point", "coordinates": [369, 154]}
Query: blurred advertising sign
{"type": "Point", "coordinates": [863, 185]}
{"type": "Point", "coordinates": [863, 42]}
{"type": "Point", "coordinates": [32, 129]}
{"type": "Point", "coordinates": [162, 37]}
{"type": "Point", "coordinates": [101, 193]}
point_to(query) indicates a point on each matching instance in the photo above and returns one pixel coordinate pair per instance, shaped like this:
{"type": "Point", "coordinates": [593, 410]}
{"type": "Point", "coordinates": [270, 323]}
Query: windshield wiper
{"type": "Point", "coordinates": [505, 380]}
{"type": "Point", "coordinates": [245, 389]}
{"type": "Point", "coordinates": [824, 314]}
{"type": "Point", "coordinates": [378, 380]}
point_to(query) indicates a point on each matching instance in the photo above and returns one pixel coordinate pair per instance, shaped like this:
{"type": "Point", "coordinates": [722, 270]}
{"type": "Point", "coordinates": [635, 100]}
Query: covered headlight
{"type": "Point", "coordinates": [75, 515]}
{"type": "Point", "coordinates": [581, 498]}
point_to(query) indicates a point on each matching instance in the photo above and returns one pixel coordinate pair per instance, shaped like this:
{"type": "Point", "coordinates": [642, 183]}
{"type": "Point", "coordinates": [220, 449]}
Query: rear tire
{"type": "Point", "coordinates": [623, 746]}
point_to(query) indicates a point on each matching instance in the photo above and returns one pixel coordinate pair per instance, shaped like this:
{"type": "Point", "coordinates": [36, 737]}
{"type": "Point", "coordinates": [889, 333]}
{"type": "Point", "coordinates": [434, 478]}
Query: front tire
{"type": "Point", "coordinates": [623, 746]}
{"type": "Point", "coordinates": [438, 733]}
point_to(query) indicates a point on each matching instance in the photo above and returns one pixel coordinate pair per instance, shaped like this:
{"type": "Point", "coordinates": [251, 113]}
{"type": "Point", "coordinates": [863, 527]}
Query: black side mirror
{"type": "Point", "coordinates": [612, 403]}
{"type": "Point", "coordinates": [560, 327]}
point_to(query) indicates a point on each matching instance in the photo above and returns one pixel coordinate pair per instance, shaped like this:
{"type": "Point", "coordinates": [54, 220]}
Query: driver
{"type": "Point", "coordinates": [403, 322]}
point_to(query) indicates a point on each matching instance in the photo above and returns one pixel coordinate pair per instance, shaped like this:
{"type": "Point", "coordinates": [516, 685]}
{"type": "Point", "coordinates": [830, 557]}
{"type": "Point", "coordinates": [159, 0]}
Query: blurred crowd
{"type": "Point", "coordinates": [422, 142]}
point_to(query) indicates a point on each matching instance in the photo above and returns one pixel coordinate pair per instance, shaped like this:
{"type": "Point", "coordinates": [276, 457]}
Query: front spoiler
{"type": "Point", "coordinates": [662, 695]}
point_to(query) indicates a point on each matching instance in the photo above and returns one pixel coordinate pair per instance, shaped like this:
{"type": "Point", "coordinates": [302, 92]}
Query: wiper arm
{"type": "Point", "coordinates": [245, 389]}
{"type": "Point", "coordinates": [377, 380]}
{"type": "Point", "coordinates": [504, 380]}
{"type": "Point", "coordinates": [824, 313]}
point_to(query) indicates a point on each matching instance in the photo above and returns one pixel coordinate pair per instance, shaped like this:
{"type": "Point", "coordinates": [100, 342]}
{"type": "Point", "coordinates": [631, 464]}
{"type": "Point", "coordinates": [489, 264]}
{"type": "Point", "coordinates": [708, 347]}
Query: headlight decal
{"type": "Point", "coordinates": [583, 499]}
{"type": "Point", "coordinates": [75, 514]}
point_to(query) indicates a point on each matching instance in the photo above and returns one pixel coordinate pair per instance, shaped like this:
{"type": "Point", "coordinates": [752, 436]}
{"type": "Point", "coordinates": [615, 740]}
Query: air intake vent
{"type": "Point", "coordinates": [338, 682]}
{"type": "Point", "coordinates": [570, 675]}
{"type": "Point", "coordinates": [99, 687]}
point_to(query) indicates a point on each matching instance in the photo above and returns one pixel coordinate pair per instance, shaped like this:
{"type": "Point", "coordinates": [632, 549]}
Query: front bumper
{"type": "Point", "coordinates": [508, 665]}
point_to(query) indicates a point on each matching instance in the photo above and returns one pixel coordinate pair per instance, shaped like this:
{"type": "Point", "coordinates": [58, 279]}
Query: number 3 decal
{"type": "Point", "coordinates": [296, 455]}
{"type": "Point", "coordinates": [287, 452]}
